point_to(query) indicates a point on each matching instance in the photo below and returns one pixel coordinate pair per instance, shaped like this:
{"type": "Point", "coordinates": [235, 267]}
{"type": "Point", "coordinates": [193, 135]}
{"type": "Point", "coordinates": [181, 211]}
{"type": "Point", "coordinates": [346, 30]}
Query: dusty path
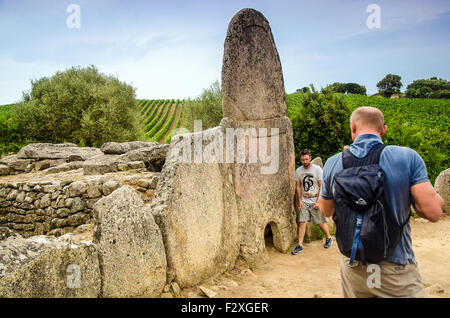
{"type": "Point", "coordinates": [315, 271]}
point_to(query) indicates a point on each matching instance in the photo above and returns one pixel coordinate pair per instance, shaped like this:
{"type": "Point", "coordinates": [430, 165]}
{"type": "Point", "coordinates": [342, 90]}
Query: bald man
{"type": "Point", "coordinates": [406, 183]}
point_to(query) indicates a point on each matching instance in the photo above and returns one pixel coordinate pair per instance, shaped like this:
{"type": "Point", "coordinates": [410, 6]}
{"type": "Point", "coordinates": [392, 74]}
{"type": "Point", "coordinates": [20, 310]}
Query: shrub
{"type": "Point", "coordinates": [320, 123]}
{"type": "Point", "coordinates": [207, 107]}
{"type": "Point", "coordinates": [12, 138]}
{"type": "Point", "coordinates": [82, 106]}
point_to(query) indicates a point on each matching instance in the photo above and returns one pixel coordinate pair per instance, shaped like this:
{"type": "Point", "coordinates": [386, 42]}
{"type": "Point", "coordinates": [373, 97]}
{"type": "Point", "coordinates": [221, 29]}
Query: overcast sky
{"type": "Point", "coordinates": [174, 49]}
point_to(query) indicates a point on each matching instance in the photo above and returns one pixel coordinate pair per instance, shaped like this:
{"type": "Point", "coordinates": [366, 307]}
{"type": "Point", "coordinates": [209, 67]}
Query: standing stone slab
{"type": "Point", "coordinates": [252, 79]}
{"type": "Point", "coordinates": [130, 245]}
{"type": "Point", "coordinates": [253, 98]}
{"type": "Point", "coordinates": [194, 205]}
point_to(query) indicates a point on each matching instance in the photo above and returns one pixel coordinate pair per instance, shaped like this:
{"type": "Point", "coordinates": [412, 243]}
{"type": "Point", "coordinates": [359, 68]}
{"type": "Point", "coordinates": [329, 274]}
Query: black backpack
{"type": "Point", "coordinates": [366, 229]}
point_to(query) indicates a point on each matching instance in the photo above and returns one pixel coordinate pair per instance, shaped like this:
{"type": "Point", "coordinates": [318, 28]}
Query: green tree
{"type": "Point", "coordinates": [354, 88]}
{"type": "Point", "coordinates": [80, 105]}
{"type": "Point", "coordinates": [429, 88]}
{"type": "Point", "coordinates": [321, 123]}
{"type": "Point", "coordinates": [12, 138]}
{"type": "Point", "coordinates": [303, 90]}
{"type": "Point", "coordinates": [389, 85]}
{"type": "Point", "coordinates": [207, 107]}
{"type": "Point", "coordinates": [346, 88]}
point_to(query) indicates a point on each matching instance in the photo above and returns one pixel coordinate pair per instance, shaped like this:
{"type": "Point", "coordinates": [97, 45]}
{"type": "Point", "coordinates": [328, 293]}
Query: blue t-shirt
{"type": "Point", "coordinates": [403, 168]}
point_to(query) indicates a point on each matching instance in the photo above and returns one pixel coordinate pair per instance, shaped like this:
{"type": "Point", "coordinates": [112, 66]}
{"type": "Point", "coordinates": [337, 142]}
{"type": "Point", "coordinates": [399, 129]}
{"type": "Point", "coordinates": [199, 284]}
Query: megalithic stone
{"type": "Point", "coordinates": [252, 78]}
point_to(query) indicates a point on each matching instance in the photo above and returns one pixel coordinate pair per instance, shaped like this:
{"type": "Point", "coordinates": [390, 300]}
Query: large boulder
{"type": "Point", "coordinates": [252, 78]}
{"type": "Point", "coordinates": [57, 151]}
{"type": "Point", "coordinates": [43, 266]}
{"type": "Point", "coordinates": [442, 186]}
{"type": "Point", "coordinates": [130, 245]}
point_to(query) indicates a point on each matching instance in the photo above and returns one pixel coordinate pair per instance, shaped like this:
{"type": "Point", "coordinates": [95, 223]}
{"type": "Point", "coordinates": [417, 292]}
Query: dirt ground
{"type": "Point", "coordinates": [315, 271]}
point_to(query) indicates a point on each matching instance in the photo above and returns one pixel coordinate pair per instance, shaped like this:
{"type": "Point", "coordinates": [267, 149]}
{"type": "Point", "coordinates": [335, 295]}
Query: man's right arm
{"type": "Point", "coordinates": [426, 201]}
{"type": "Point", "coordinates": [299, 195]}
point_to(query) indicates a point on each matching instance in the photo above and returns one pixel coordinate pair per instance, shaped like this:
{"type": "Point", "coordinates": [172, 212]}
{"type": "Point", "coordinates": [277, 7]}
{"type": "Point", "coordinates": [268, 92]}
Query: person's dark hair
{"type": "Point", "coordinates": [305, 152]}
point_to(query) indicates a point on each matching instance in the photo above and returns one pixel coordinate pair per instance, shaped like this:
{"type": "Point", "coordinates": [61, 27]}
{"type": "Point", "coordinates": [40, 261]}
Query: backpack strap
{"type": "Point", "coordinates": [357, 244]}
{"type": "Point", "coordinates": [349, 160]}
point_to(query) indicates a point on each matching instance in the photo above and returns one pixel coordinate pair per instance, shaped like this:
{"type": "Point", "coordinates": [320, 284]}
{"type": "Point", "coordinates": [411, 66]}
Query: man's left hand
{"type": "Point", "coordinates": [316, 206]}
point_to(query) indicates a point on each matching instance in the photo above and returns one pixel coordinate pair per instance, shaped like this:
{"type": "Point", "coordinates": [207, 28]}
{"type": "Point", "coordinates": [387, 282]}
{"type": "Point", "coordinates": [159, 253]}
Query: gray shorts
{"type": "Point", "coordinates": [308, 214]}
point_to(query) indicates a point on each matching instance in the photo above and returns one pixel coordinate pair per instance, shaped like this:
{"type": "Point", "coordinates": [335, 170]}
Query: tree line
{"type": "Point", "coordinates": [391, 84]}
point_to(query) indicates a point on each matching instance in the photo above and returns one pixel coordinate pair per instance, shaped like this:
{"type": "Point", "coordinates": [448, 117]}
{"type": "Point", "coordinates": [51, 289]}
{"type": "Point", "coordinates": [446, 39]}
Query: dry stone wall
{"type": "Point", "coordinates": [54, 207]}
{"type": "Point", "coordinates": [54, 195]}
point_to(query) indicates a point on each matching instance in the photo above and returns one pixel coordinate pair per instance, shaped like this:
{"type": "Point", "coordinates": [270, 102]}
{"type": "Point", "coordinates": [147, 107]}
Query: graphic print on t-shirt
{"type": "Point", "coordinates": [310, 190]}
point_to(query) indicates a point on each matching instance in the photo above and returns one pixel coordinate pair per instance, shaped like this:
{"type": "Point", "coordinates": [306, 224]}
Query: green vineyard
{"type": "Point", "coordinates": [161, 118]}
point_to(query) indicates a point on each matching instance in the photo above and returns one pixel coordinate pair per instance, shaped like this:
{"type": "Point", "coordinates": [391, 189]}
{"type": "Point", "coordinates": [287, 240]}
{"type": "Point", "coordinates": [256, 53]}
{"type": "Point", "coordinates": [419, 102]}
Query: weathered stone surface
{"type": "Point", "coordinates": [93, 189]}
{"type": "Point", "coordinates": [64, 167]}
{"type": "Point", "coordinates": [109, 186]}
{"type": "Point", "coordinates": [442, 186]}
{"type": "Point", "coordinates": [77, 188]}
{"type": "Point", "coordinates": [42, 266]}
{"type": "Point", "coordinates": [194, 205]}
{"type": "Point", "coordinates": [318, 162]}
{"type": "Point", "coordinates": [56, 151]}
{"type": "Point", "coordinates": [252, 78]}
{"type": "Point", "coordinates": [123, 147]}
{"type": "Point", "coordinates": [5, 233]}
{"type": "Point", "coordinates": [15, 163]}
{"type": "Point", "coordinates": [132, 253]}
{"type": "Point", "coordinates": [264, 188]}
{"type": "Point", "coordinates": [47, 163]}
{"type": "Point", "coordinates": [4, 170]}
{"type": "Point", "coordinates": [77, 205]}
{"type": "Point", "coordinates": [207, 292]}
{"type": "Point", "coordinates": [153, 157]}
{"type": "Point", "coordinates": [8, 159]}
{"type": "Point", "coordinates": [101, 164]}
{"type": "Point", "coordinates": [131, 166]}
{"type": "Point", "coordinates": [19, 164]}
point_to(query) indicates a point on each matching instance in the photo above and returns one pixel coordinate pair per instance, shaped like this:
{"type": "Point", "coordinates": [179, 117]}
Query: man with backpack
{"type": "Point", "coordinates": [308, 179]}
{"type": "Point", "coordinates": [368, 189]}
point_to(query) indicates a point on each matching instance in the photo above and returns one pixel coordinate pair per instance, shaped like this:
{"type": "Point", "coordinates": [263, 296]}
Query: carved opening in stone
{"type": "Point", "coordinates": [268, 236]}
{"type": "Point", "coordinates": [272, 236]}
